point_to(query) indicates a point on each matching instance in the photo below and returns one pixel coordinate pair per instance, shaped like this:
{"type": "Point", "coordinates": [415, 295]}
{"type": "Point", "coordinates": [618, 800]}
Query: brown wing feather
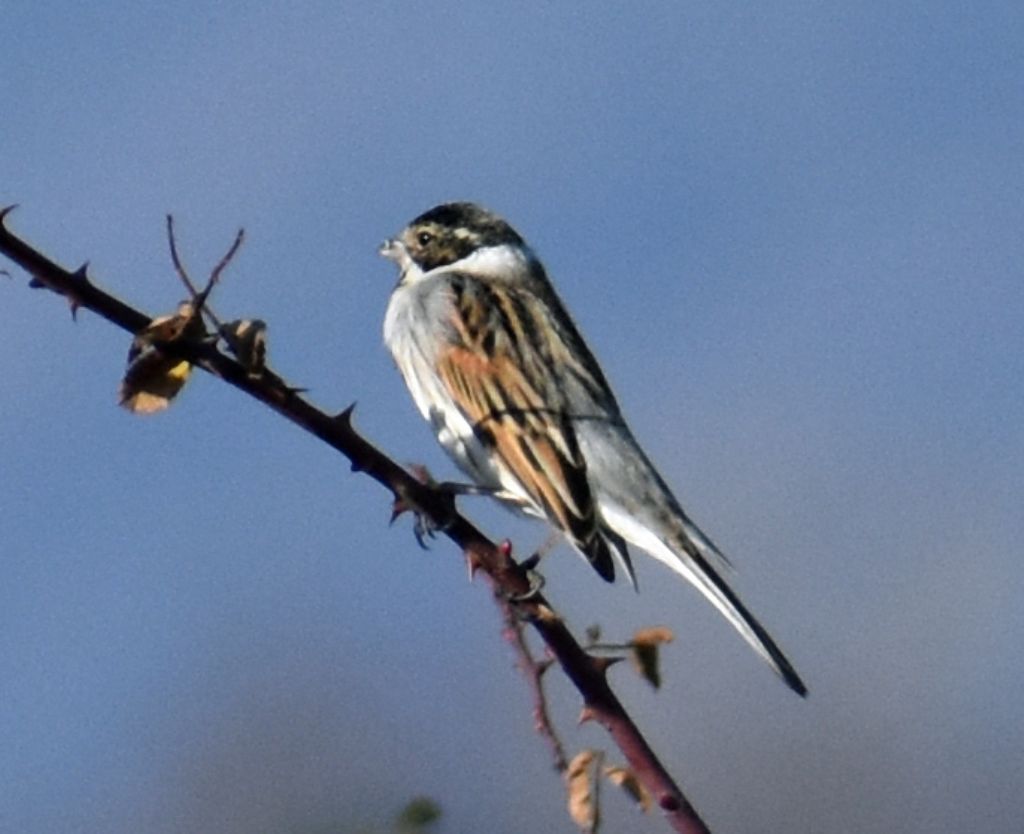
{"type": "Point", "coordinates": [537, 448]}
{"type": "Point", "coordinates": [483, 370]}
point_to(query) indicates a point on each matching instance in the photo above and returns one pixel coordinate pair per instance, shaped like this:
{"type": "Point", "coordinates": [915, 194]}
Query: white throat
{"type": "Point", "coordinates": [502, 261]}
{"type": "Point", "coordinates": [505, 262]}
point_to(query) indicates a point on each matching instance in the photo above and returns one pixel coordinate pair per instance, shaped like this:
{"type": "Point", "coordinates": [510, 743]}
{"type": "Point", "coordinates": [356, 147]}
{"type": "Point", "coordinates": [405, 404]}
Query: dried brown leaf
{"type": "Point", "coordinates": [154, 378]}
{"type": "Point", "coordinates": [653, 636]}
{"type": "Point", "coordinates": [247, 340]}
{"type": "Point", "coordinates": [644, 652]}
{"type": "Point", "coordinates": [626, 779]}
{"type": "Point", "coordinates": [581, 785]}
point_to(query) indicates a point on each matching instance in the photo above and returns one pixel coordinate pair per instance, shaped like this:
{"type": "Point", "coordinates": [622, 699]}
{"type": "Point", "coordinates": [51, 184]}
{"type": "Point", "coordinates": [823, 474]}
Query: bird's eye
{"type": "Point", "coordinates": [424, 238]}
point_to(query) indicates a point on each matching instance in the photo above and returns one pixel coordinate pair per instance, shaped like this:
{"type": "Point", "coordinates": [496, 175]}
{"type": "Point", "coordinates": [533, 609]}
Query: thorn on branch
{"type": "Point", "coordinates": [603, 664]}
{"type": "Point", "coordinates": [473, 563]}
{"type": "Point", "coordinates": [284, 390]}
{"type": "Point", "coordinates": [79, 276]}
{"type": "Point", "coordinates": [344, 418]}
{"type": "Point", "coordinates": [398, 506]}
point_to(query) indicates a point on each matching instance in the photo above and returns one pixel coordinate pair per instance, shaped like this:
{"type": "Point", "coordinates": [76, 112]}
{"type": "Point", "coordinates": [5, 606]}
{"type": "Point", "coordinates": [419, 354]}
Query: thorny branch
{"type": "Point", "coordinates": [534, 671]}
{"type": "Point", "coordinates": [508, 580]}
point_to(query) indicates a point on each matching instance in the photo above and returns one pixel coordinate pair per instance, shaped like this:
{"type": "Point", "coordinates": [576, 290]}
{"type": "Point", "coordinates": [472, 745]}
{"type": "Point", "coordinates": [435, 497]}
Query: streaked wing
{"type": "Point", "coordinates": [495, 368]}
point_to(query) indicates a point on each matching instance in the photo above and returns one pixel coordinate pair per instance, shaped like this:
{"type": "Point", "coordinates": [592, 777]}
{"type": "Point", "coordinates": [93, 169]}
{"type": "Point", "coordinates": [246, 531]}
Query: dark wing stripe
{"type": "Point", "coordinates": [531, 444]}
{"type": "Point", "coordinates": [525, 335]}
{"type": "Point", "coordinates": [497, 371]}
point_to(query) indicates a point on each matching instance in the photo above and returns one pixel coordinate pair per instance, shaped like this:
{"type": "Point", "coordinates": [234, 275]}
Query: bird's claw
{"type": "Point", "coordinates": [534, 577]}
{"type": "Point", "coordinates": [424, 526]}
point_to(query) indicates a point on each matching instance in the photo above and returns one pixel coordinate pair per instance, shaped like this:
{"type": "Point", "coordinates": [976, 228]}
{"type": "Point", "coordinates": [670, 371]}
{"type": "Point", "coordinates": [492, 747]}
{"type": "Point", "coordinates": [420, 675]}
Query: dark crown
{"type": "Point", "coordinates": [486, 227]}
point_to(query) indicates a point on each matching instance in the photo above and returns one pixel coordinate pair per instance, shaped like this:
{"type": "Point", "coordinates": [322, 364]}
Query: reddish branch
{"type": "Point", "coordinates": [509, 581]}
{"type": "Point", "coordinates": [534, 671]}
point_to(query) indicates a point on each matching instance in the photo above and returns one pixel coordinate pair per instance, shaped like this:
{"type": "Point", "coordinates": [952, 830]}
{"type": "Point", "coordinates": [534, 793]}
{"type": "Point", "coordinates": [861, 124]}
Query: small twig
{"type": "Point", "coordinates": [176, 260]}
{"type": "Point", "coordinates": [534, 672]}
{"type": "Point", "coordinates": [228, 256]}
{"type": "Point", "coordinates": [199, 297]}
{"type": "Point", "coordinates": [609, 647]}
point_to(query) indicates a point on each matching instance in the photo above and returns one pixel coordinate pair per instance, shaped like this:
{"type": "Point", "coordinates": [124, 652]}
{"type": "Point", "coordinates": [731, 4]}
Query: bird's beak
{"type": "Point", "coordinates": [393, 250]}
{"type": "Point", "coordinates": [396, 251]}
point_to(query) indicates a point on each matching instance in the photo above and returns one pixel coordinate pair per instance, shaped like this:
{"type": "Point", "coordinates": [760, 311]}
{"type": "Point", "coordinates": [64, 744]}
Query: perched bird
{"type": "Point", "coordinates": [516, 398]}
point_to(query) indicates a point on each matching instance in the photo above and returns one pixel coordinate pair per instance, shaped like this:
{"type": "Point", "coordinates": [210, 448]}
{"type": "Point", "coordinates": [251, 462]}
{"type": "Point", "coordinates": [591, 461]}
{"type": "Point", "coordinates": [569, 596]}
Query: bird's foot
{"type": "Point", "coordinates": [533, 576]}
{"type": "Point", "coordinates": [426, 525]}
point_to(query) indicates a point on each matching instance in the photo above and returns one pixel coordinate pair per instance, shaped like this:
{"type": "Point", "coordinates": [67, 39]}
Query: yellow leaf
{"type": "Point", "coordinates": [626, 779]}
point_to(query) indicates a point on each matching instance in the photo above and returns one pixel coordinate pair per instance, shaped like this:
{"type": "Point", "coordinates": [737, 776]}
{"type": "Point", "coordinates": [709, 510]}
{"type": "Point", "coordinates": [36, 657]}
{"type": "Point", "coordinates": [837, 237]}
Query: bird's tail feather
{"type": "Point", "coordinates": [604, 548]}
{"type": "Point", "coordinates": [695, 560]}
{"type": "Point", "coordinates": [690, 562]}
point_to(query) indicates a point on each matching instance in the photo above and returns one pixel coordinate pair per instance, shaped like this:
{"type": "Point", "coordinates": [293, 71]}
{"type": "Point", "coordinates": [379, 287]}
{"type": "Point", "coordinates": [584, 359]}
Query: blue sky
{"type": "Point", "coordinates": [791, 234]}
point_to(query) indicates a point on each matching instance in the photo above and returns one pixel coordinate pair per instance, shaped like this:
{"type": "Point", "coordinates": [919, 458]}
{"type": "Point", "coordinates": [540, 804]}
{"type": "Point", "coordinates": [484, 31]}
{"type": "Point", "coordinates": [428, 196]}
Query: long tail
{"type": "Point", "coordinates": [691, 554]}
{"type": "Point", "coordinates": [688, 560]}
{"type": "Point", "coordinates": [725, 600]}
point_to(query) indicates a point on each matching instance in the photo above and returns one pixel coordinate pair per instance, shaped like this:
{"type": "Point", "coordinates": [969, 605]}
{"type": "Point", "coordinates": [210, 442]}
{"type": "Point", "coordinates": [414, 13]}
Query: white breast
{"type": "Point", "coordinates": [414, 328]}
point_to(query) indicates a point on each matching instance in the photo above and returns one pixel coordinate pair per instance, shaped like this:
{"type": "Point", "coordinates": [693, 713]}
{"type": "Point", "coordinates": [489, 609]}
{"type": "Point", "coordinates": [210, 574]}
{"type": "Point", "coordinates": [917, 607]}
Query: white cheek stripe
{"type": "Point", "coordinates": [504, 261]}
